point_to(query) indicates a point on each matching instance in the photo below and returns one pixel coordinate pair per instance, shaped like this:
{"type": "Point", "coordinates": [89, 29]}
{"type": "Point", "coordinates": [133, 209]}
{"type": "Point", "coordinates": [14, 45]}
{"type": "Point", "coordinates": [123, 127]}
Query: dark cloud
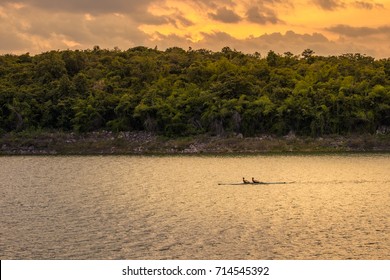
{"type": "Point", "coordinates": [180, 19]}
{"type": "Point", "coordinates": [86, 6]}
{"type": "Point", "coordinates": [291, 41]}
{"type": "Point", "coordinates": [363, 5]}
{"type": "Point", "coordinates": [138, 10]}
{"type": "Point", "coordinates": [350, 31]}
{"type": "Point", "coordinates": [214, 4]}
{"type": "Point", "coordinates": [278, 42]}
{"type": "Point", "coordinates": [329, 5]}
{"type": "Point", "coordinates": [172, 40]}
{"type": "Point", "coordinates": [367, 5]}
{"type": "Point", "coordinates": [262, 15]}
{"type": "Point", "coordinates": [225, 15]}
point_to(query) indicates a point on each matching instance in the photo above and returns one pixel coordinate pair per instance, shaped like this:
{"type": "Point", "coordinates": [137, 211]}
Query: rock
{"type": "Point", "coordinates": [192, 149]}
{"type": "Point", "coordinates": [291, 135]}
{"type": "Point", "coordinates": [383, 129]}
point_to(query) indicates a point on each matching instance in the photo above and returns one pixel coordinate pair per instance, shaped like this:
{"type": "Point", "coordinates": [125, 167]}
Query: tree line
{"type": "Point", "coordinates": [180, 92]}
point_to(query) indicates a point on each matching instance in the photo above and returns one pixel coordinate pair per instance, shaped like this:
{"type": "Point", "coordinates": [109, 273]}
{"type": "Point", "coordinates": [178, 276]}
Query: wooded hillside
{"type": "Point", "coordinates": [178, 92]}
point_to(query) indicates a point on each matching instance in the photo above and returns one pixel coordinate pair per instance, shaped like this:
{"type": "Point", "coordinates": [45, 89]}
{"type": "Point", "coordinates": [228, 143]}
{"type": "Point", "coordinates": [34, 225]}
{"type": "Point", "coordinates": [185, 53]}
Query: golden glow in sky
{"type": "Point", "coordinates": [326, 26]}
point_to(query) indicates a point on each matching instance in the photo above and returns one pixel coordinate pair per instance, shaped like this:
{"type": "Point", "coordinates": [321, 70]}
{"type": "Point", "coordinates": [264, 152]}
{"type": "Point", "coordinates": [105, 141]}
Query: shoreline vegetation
{"type": "Point", "coordinates": [144, 143]}
{"type": "Point", "coordinates": [148, 101]}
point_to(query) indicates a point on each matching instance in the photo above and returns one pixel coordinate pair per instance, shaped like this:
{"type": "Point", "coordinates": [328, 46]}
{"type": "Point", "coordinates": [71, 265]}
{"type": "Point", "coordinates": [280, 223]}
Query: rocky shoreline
{"type": "Point", "coordinates": [109, 143]}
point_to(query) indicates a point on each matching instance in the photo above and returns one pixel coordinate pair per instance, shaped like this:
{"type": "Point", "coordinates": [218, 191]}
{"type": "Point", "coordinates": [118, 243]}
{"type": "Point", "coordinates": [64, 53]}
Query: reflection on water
{"type": "Point", "coordinates": [173, 208]}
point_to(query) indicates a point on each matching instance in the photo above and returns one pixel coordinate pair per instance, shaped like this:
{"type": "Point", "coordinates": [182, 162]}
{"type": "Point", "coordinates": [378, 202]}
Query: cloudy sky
{"type": "Point", "coordinates": [329, 27]}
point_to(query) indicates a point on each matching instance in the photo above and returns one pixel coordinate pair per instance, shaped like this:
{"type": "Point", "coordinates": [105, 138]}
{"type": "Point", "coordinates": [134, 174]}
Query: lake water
{"type": "Point", "coordinates": [134, 207]}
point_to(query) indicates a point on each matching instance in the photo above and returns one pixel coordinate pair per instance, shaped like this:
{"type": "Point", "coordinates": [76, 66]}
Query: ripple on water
{"type": "Point", "coordinates": [173, 208]}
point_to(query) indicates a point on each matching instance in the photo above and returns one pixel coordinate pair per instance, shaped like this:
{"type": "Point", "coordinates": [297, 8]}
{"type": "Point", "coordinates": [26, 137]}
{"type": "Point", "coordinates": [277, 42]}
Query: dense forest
{"type": "Point", "coordinates": [180, 92]}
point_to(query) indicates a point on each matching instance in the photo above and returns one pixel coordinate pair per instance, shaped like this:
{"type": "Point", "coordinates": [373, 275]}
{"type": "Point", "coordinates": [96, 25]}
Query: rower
{"type": "Point", "coordinates": [255, 181]}
{"type": "Point", "coordinates": [245, 181]}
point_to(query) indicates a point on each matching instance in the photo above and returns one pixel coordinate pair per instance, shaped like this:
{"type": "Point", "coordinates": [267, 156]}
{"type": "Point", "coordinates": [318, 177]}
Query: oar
{"type": "Point", "coordinates": [259, 183]}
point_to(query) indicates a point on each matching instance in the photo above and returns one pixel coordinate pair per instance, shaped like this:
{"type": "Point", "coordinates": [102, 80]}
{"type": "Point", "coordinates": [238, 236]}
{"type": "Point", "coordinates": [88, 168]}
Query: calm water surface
{"type": "Point", "coordinates": [125, 207]}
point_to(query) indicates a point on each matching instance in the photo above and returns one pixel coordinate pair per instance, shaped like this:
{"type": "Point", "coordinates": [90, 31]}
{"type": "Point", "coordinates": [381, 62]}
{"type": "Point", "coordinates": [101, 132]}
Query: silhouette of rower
{"type": "Point", "coordinates": [255, 181]}
{"type": "Point", "coordinates": [245, 181]}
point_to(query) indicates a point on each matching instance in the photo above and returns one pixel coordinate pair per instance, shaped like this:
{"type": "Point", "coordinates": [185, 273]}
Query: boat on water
{"type": "Point", "coordinates": [254, 183]}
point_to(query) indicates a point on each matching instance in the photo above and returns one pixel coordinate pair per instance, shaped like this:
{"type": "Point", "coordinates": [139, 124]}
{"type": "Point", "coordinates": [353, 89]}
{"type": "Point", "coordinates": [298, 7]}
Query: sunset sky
{"type": "Point", "coordinates": [329, 27]}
